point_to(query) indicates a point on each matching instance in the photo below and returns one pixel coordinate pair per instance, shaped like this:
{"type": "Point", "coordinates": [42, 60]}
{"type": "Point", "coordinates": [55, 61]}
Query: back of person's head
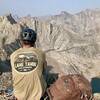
{"type": "Point", "coordinates": [28, 36]}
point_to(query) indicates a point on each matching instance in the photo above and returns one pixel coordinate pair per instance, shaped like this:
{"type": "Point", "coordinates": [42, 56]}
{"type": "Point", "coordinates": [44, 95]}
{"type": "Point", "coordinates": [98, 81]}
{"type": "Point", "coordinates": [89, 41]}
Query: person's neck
{"type": "Point", "coordinates": [26, 46]}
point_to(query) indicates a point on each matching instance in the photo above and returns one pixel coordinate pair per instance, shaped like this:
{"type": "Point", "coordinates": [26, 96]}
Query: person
{"type": "Point", "coordinates": [28, 64]}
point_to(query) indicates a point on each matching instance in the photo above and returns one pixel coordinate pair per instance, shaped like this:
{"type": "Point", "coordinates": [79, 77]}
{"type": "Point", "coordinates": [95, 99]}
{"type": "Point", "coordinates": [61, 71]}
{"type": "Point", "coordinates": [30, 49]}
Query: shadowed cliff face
{"type": "Point", "coordinates": [71, 40]}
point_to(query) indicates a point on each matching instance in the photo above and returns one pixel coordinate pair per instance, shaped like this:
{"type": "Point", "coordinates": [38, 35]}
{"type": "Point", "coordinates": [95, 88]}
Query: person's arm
{"type": "Point", "coordinates": [44, 67]}
{"type": "Point", "coordinates": [44, 64]}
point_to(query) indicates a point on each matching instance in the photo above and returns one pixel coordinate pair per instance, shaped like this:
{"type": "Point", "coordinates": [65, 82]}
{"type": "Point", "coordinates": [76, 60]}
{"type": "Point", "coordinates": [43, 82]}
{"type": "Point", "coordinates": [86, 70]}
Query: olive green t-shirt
{"type": "Point", "coordinates": [27, 67]}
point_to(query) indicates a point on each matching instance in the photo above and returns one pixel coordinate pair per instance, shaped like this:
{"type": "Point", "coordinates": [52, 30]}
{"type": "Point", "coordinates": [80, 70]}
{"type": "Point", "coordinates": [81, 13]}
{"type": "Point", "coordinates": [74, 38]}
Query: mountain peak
{"type": "Point", "coordinates": [65, 13]}
{"type": "Point", "coordinates": [10, 18]}
{"type": "Point", "coordinates": [87, 11]}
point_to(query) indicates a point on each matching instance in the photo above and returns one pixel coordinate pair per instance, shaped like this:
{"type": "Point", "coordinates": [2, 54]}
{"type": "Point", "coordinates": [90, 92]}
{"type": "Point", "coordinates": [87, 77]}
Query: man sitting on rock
{"type": "Point", "coordinates": [27, 68]}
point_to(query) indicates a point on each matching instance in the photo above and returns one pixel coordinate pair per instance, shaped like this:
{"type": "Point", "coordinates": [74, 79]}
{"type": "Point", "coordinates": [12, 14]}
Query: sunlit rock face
{"type": "Point", "coordinates": [71, 40]}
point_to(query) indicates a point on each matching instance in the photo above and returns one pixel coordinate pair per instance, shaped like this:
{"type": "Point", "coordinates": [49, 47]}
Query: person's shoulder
{"type": "Point", "coordinates": [38, 50]}
{"type": "Point", "coordinates": [15, 52]}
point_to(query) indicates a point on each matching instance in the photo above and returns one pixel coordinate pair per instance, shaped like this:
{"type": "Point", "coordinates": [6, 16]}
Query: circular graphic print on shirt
{"type": "Point", "coordinates": [26, 62]}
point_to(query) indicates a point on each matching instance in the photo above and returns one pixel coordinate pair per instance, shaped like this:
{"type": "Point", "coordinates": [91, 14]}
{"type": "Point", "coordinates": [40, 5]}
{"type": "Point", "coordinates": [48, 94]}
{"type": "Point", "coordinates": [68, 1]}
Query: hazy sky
{"type": "Point", "coordinates": [45, 7]}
